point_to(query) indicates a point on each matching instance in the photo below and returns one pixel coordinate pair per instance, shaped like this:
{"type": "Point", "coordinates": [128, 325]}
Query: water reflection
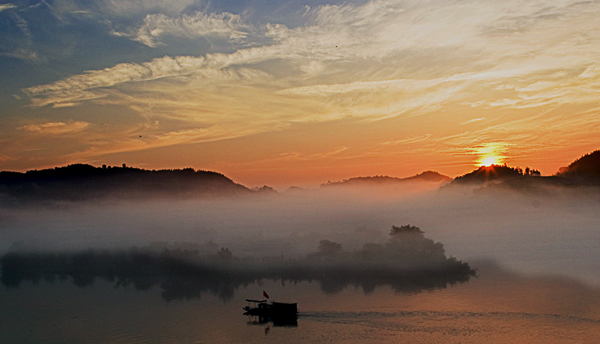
{"type": "Point", "coordinates": [184, 279]}
{"type": "Point", "coordinates": [277, 322]}
{"type": "Point", "coordinates": [497, 307]}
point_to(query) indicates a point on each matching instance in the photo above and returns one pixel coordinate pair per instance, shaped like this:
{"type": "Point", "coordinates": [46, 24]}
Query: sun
{"type": "Point", "coordinates": [493, 153]}
{"type": "Point", "coordinates": [489, 161]}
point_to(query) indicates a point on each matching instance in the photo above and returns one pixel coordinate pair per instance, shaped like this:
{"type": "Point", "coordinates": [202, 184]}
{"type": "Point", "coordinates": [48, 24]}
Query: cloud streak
{"type": "Point", "coordinates": [8, 6]}
{"type": "Point", "coordinates": [211, 25]}
{"type": "Point", "coordinates": [56, 128]}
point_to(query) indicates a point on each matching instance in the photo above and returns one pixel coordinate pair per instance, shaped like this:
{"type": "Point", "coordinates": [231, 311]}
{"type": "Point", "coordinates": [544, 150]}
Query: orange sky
{"type": "Point", "coordinates": [304, 93]}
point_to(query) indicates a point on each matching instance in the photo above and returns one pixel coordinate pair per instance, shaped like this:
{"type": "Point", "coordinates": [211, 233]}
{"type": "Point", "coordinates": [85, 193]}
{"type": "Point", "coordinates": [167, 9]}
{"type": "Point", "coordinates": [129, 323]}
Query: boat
{"type": "Point", "coordinates": [279, 313]}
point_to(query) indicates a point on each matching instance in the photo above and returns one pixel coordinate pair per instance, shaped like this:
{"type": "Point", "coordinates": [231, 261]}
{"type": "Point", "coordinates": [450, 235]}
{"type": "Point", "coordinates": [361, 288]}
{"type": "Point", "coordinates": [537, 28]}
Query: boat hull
{"type": "Point", "coordinates": [279, 313]}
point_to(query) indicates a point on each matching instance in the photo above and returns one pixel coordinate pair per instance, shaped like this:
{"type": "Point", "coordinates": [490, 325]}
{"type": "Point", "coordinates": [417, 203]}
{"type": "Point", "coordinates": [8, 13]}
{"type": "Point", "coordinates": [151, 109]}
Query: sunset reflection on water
{"type": "Point", "coordinates": [497, 307]}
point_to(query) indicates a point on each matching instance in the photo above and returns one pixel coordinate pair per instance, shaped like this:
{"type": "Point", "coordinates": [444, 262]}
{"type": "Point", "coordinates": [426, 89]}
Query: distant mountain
{"type": "Point", "coordinates": [587, 166]}
{"type": "Point", "coordinates": [265, 190]}
{"type": "Point", "coordinates": [81, 182]}
{"type": "Point", "coordinates": [295, 190]}
{"type": "Point", "coordinates": [427, 176]}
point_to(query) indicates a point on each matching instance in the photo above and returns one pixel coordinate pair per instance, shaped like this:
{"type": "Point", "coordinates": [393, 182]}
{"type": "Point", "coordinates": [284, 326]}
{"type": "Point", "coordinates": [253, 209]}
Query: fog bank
{"type": "Point", "coordinates": [555, 233]}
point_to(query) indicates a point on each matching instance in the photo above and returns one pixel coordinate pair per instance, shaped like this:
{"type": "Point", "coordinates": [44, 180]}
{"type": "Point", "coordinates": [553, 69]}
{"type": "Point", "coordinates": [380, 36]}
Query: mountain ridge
{"type": "Point", "coordinates": [426, 176]}
{"type": "Point", "coordinates": [83, 182]}
{"type": "Point", "coordinates": [80, 182]}
{"type": "Point", "coordinates": [586, 166]}
{"type": "Point", "coordinates": [583, 172]}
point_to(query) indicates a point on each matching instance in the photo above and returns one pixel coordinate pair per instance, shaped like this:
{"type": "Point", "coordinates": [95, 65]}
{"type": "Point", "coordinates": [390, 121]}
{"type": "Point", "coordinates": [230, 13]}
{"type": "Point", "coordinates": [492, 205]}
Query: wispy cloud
{"type": "Point", "coordinates": [8, 6]}
{"type": "Point", "coordinates": [157, 26]}
{"type": "Point", "coordinates": [4, 158]}
{"type": "Point", "coordinates": [130, 8]}
{"type": "Point", "coordinates": [82, 87]}
{"type": "Point", "coordinates": [56, 128]}
{"type": "Point", "coordinates": [406, 140]}
{"type": "Point", "coordinates": [23, 54]}
{"type": "Point", "coordinates": [474, 120]}
{"type": "Point", "coordinates": [313, 156]}
{"type": "Point", "coordinates": [163, 139]}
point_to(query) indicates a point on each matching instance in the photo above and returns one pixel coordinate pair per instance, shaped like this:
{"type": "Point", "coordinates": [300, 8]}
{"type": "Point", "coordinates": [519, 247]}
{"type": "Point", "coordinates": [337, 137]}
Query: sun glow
{"type": "Point", "coordinates": [491, 154]}
{"type": "Point", "coordinates": [489, 161]}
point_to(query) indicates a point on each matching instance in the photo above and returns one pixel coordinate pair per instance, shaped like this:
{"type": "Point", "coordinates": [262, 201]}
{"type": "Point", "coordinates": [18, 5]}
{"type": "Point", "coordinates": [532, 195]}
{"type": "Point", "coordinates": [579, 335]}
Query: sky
{"type": "Point", "coordinates": [283, 92]}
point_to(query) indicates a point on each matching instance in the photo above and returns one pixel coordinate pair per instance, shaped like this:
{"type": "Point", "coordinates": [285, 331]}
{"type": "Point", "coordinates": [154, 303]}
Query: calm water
{"type": "Point", "coordinates": [497, 307]}
{"type": "Point", "coordinates": [544, 289]}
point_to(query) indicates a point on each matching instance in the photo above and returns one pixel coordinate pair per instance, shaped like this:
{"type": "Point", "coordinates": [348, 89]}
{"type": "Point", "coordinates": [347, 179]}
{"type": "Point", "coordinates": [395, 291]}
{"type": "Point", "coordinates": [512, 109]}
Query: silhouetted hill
{"type": "Point", "coordinates": [582, 173]}
{"type": "Point", "coordinates": [486, 174]}
{"type": "Point", "coordinates": [587, 166]}
{"type": "Point", "coordinates": [80, 182]}
{"type": "Point", "coordinates": [544, 185]}
{"type": "Point", "coordinates": [427, 176]}
{"type": "Point", "coordinates": [265, 190]}
{"type": "Point", "coordinates": [295, 190]}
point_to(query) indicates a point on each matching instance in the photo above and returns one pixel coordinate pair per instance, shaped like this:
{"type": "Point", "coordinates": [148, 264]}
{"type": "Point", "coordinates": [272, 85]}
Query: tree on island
{"type": "Point", "coordinates": [407, 248]}
{"type": "Point", "coordinates": [329, 248]}
{"type": "Point", "coordinates": [224, 254]}
{"type": "Point", "coordinates": [398, 233]}
{"type": "Point", "coordinates": [409, 244]}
